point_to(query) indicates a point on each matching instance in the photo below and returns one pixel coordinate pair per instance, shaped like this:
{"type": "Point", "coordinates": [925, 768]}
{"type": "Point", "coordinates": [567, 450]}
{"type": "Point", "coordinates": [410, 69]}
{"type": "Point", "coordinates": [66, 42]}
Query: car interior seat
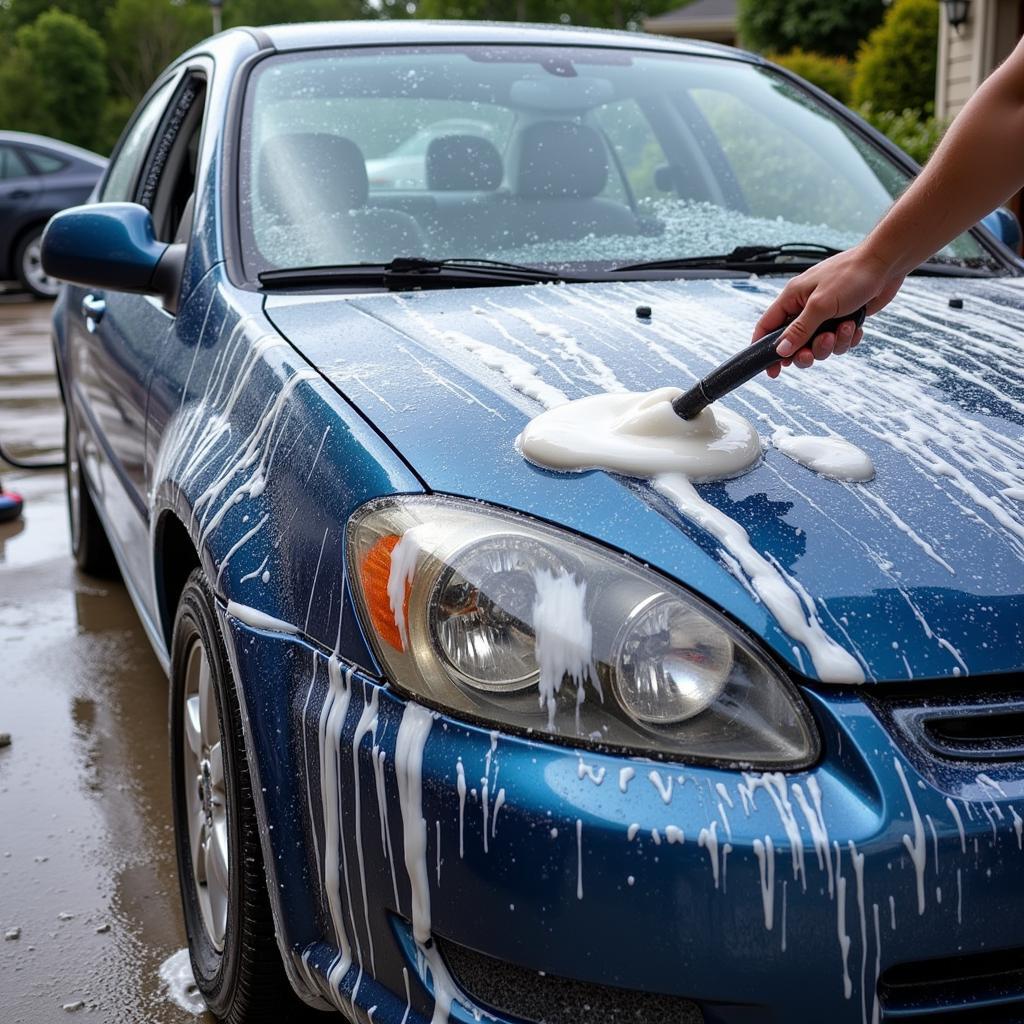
{"type": "Point", "coordinates": [312, 189]}
{"type": "Point", "coordinates": [462, 174]}
{"type": "Point", "coordinates": [559, 170]}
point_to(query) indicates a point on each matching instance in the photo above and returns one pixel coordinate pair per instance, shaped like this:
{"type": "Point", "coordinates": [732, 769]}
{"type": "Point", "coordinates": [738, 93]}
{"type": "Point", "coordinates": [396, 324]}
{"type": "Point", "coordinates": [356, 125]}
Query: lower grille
{"type": "Point", "coordinates": [546, 999]}
{"type": "Point", "coordinates": [987, 988]}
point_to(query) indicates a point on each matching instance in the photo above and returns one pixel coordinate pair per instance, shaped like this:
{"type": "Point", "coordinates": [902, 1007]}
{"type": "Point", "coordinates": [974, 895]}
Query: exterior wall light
{"type": "Point", "coordinates": [957, 12]}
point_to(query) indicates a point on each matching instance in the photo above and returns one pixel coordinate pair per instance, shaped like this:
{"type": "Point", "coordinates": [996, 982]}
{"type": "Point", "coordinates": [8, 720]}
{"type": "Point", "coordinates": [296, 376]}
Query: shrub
{"type": "Point", "coordinates": [819, 26]}
{"type": "Point", "coordinates": [916, 133]}
{"type": "Point", "coordinates": [897, 63]}
{"type": "Point", "coordinates": [54, 79]}
{"type": "Point", "coordinates": [833, 74]}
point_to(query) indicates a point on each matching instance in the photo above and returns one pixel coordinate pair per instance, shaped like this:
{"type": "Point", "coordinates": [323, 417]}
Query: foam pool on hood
{"type": "Point", "coordinates": [639, 434]}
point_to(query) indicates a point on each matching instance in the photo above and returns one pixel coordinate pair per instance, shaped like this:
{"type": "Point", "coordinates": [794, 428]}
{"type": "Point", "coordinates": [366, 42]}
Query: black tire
{"type": "Point", "coordinates": [244, 981]}
{"type": "Point", "coordinates": [29, 269]}
{"type": "Point", "coordinates": [89, 544]}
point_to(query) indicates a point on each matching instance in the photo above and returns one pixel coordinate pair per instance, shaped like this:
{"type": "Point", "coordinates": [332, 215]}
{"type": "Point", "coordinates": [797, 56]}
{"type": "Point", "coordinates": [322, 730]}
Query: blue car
{"type": "Point", "coordinates": [456, 737]}
{"type": "Point", "coordinates": [38, 177]}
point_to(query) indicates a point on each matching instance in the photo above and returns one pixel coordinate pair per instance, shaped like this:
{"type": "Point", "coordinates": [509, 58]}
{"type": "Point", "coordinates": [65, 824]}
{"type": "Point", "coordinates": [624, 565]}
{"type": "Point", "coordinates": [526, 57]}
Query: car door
{"type": "Point", "coordinates": [18, 190]}
{"type": "Point", "coordinates": [118, 337]}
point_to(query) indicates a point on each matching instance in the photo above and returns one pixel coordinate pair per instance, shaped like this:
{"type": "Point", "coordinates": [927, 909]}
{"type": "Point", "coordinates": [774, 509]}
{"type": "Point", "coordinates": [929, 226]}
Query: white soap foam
{"type": "Point", "coordinates": [829, 456]}
{"type": "Point", "coordinates": [176, 976]}
{"type": "Point", "coordinates": [259, 620]}
{"type": "Point", "coordinates": [639, 434]}
{"type": "Point", "coordinates": [563, 636]}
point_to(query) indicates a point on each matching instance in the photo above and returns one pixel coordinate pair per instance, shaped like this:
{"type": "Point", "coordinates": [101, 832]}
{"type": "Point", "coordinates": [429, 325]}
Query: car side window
{"type": "Point", "coordinates": [12, 164]}
{"type": "Point", "coordinates": [636, 147]}
{"type": "Point", "coordinates": [124, 170]}
{"type": "Point", "coordinates": [45, 163]}
{"type": "Point", "coordinates": [169, 181]}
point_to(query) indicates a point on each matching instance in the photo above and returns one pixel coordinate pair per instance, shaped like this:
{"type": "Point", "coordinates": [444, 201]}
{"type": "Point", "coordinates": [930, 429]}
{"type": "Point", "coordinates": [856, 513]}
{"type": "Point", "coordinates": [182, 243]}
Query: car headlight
{"type": "Point", "coordinates": [500, 618]}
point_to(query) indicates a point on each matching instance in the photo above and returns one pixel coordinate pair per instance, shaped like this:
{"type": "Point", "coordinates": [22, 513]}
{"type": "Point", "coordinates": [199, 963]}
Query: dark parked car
{"type": "Point", "coordinates": [38, 177]}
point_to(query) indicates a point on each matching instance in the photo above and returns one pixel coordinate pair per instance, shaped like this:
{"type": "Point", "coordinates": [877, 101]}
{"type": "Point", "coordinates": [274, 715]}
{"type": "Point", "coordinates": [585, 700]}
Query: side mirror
{"type": "Point", "coordinates": [112, 245]}
{"type": "Point", "coordinates": [1004, 225]}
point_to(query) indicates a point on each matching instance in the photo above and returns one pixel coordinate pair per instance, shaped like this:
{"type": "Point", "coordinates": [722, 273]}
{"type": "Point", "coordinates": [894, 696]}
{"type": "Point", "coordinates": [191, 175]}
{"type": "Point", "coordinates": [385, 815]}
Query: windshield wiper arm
{"type": "Point", "coordinates": [404, 271]}
{"type": "Point", "coordinates": [744, 255]}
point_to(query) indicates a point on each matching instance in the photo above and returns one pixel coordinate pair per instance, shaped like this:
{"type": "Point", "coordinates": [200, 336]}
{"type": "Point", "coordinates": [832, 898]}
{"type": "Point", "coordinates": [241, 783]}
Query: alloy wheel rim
{"type": "Point", "coordinates": [32, 268]}
{"type": "Point", "coordinates": [205, 795]}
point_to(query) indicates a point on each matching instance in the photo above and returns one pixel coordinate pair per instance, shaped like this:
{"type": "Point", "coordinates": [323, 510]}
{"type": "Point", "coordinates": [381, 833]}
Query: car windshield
{"type": "Point", "coordinates": [555, 156]}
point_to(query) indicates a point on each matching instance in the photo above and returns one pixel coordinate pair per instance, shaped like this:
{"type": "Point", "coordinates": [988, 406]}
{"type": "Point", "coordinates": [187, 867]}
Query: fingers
{"type": "Point", "coordinates": [844, 337]}
{"type": "Point", "coordinates": [802, 329]}
{"type": "Point", "coordinates": [848, 336]}
{"type": "Point", "coordinates": [823, 345]}
{"type": "Point", "coordinates": [786, 306]}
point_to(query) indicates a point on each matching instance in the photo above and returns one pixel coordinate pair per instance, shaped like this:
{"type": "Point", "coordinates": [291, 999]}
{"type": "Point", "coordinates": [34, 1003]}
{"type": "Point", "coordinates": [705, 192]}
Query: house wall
{"type": "Point", "coordinates": [967, 57]}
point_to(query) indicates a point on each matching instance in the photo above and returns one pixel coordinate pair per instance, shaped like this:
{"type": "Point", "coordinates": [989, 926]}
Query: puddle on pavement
{"type": "Point", "coordinates": [87, 869]}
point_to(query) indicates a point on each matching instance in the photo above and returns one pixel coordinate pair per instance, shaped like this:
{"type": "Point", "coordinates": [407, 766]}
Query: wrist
{"type": "Point", "coordinates": [887, 254]}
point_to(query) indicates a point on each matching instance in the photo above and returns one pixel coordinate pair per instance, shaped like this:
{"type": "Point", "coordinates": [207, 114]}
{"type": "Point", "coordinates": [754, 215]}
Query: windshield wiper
{"type": "Point", "coordinates": [416, 272]}
{"type": "Point", "coordinates": [794, 255]}
{"type": "Point", "coordinates": [743, 257]}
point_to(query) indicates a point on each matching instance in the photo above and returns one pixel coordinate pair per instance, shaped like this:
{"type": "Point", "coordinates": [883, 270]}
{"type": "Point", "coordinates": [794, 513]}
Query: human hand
{"type": "Point", "coordinates": [832, 288]}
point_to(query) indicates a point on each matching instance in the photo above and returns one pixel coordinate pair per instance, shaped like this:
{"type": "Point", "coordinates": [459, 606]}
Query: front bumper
{"type": "Point", "coordinates": [754, 897]}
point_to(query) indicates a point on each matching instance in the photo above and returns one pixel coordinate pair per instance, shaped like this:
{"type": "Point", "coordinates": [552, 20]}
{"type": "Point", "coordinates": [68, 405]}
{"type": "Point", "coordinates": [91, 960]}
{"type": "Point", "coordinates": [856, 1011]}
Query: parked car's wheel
{"type": "Point", "coordinates": [89, 544]}
{"type": "Point", "coordinates": [29, 265]}
{"type": "Point", "coordinates": [230, 927]}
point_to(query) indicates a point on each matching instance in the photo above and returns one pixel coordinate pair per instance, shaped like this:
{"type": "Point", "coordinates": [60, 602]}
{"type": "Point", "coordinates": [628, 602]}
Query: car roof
{"type": "Point", "coordinates": [54, 145]}
{"type": "Point", "coordinates": [413, 31]}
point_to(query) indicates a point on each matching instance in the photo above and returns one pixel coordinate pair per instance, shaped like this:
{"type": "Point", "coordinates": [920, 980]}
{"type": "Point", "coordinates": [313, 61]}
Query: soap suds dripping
{"type": "Point", "coordinates": [563, 637]}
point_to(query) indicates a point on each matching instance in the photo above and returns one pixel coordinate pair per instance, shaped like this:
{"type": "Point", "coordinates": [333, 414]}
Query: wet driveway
{"type": "Point", "coordinates": [88, 890]}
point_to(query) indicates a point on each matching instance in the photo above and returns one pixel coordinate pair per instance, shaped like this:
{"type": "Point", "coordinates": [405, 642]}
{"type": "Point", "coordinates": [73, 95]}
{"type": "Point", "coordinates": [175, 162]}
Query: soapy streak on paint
{"type": "Point", "coordinates": [706, 329]}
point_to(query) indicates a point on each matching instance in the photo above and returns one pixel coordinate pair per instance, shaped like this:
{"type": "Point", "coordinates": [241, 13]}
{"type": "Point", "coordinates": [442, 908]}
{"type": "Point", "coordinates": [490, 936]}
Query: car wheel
{"type": "Point", "coordinates": [234, 954]}
{"type": "Point", "coordinates": [89, 543]}
{"type": "Point", "coordinates": [29, 264]}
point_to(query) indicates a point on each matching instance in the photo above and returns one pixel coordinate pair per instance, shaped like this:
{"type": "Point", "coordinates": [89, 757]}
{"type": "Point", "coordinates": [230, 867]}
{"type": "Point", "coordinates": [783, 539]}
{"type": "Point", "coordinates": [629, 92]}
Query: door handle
{"type": "Point", "coordinates": [93, 308]}
{"type": "Point", "coordinates": [19, 193]}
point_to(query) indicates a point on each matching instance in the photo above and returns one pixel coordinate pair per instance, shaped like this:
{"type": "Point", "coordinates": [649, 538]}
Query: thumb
{"type": "Point", "coordinates": [802, 329]}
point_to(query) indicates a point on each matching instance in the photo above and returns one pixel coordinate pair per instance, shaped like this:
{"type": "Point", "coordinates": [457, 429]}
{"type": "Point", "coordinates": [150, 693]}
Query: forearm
{"type": "Point", "coordinates": [977, 167]}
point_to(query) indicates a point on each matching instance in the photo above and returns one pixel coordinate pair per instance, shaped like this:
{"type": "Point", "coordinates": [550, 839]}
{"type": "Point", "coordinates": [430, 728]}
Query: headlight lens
{"type": "Point", "coordinates": [498, 617]}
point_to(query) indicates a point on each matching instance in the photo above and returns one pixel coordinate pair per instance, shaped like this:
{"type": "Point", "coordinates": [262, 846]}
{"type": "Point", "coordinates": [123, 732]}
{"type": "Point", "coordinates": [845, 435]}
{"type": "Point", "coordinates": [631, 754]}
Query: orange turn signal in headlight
{"type": "Point", "coordinates": [374, 574]}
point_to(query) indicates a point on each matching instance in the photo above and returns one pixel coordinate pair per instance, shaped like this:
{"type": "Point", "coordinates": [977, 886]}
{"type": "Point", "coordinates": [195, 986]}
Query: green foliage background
{"type": "Point", "coordinates": [833, 27]}
{"type": "Point", "coordinates": [896, 65]}
{"type": "Point", "coordinates": [75, 69]}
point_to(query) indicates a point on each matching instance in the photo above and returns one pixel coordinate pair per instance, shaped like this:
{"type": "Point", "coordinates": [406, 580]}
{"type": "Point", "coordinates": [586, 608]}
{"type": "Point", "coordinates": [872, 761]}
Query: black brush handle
{"type": "Point", "coordinates": [745, 365]}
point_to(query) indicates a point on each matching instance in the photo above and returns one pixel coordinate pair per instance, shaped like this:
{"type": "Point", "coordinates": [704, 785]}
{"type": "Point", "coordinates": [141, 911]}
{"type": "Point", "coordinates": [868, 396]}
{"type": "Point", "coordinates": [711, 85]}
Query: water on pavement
{"type": "Point", "coordinates": [87, 874]}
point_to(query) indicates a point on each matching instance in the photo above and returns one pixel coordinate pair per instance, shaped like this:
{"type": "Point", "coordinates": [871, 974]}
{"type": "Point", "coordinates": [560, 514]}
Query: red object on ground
{"type": "Point", "coordinates": [11, 505]}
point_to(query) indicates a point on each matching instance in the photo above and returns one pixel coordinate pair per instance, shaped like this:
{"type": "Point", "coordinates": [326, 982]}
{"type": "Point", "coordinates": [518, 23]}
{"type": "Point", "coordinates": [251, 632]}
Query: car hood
{"type": "Point", "coordinates": [918, 574]}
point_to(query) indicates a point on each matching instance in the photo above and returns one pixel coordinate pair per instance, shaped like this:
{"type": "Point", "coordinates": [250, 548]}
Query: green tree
{"type": "Point", "coordinates": [896, 65]}
{"type": "Point", "coordinates": [833, 74]}
{"type": "Point", "coordinates": [145, 36]}
{"type": "Point", "coordinates": [53, 80]}
{"type": "Point", "coordinates": [269, 12]}
{"type": "Point", "coordinates": [820, 26]}
{"type": "Point", "coordinates": [915, 133]}
{"type": "Point", "coordinates": [591, 13]}
{"type": "Point", "coordinates": [23, 12]}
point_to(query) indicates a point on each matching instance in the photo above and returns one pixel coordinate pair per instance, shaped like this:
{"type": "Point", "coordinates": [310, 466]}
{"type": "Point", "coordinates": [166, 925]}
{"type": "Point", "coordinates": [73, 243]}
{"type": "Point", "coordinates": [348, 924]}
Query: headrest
{"type": "Point", "coordinates": [304, 173]}
{"type": "Point", "coordinates": [463, 163]}
{"type": "Point", "coordinates": [561, 159]}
